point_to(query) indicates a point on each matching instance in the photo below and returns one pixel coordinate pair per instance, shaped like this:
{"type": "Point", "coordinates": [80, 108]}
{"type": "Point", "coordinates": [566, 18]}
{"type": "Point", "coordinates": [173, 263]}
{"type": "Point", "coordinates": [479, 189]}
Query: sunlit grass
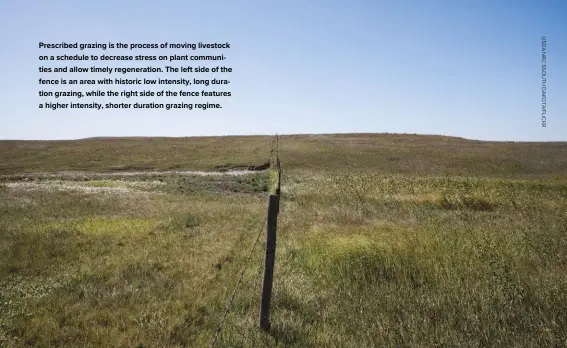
{"type": "Point", "coordinates": [104, 183]}
{"type": "Point", "coordinates": [365, 257]}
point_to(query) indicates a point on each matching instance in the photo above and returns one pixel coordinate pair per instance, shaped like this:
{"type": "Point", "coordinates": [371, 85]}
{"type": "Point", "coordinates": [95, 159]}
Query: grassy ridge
{"type": "Point", "coordinates": [389, 153]}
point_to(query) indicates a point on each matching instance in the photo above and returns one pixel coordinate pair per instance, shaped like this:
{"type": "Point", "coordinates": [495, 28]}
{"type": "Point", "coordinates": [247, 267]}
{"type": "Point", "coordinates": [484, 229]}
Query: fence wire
{"type": "Point", "coordinates": [274, 149]}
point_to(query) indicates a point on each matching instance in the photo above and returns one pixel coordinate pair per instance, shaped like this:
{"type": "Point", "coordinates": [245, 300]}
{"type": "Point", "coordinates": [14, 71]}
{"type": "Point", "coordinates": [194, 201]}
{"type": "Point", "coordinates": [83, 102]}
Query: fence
{"type": "Point", "coordinates": [271, 221]}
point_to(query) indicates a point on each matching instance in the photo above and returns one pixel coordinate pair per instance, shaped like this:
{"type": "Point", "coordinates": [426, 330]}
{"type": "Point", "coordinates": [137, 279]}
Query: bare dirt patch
{"type": "Point", "coordinates": [80, 175]}
{"type": "Point", "coordinates": [84, 187]}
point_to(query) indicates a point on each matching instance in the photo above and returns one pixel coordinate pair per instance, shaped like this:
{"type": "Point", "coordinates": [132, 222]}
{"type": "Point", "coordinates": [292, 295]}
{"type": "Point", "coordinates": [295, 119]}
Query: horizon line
{"type": "Point", "coordinates": [104, 137]}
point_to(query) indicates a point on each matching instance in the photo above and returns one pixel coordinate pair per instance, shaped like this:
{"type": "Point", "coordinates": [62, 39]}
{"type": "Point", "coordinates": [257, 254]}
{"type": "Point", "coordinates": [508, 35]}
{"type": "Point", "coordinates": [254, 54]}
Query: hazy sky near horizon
{"type": "Point", "coordinates": [463, 68]}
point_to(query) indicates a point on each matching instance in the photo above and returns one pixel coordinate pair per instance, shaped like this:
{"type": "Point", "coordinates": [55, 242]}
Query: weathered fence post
{"type": "Point", "coordinates": [273, 209]}
{"type": "Point", "coordinates": [278, 189]}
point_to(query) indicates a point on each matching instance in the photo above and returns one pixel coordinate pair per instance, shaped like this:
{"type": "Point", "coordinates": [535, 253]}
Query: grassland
{"type": "Point", "coordinates": [388, 153]}
{"type": "Point", "coordinates": [383, 240]}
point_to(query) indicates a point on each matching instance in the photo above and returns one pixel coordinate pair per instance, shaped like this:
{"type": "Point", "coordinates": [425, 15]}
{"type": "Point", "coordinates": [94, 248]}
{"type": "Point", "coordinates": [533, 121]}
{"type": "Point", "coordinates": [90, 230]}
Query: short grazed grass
{"type": "Point", "coordinates": [103, 269]}
{"type": "Point", "coordinates": [103, 183]}
{"type": "Point", "coordinates": [365, 257]}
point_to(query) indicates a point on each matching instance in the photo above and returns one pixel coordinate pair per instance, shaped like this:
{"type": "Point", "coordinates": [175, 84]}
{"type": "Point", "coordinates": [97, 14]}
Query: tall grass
{"type": "Point", "coordinates": [424, 261]}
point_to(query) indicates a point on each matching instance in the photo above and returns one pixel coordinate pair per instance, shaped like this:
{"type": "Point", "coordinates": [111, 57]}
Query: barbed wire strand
{"type": "Point", "coordinates": [233, 296]}
{"type": "Point", "coordinates": [229, 304]}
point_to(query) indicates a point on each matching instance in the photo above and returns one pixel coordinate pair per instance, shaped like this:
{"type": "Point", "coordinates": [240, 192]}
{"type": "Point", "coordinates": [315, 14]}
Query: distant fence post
{"type": "Point", "coordinates": [273, 209]}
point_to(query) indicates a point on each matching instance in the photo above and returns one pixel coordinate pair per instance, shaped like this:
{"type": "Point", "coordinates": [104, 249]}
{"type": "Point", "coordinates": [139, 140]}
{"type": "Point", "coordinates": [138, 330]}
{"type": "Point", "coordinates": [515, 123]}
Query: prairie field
{"type": "Point", "coordinates": [384, 240]}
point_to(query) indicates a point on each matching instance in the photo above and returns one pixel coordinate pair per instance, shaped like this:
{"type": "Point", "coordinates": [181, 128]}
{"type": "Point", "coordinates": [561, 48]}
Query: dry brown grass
{"type": "Point", "coordinates": [387, 153]}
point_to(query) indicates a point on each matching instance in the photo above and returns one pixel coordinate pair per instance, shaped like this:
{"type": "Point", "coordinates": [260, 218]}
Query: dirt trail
{"type": "Point", "coordinates": [70, 175]}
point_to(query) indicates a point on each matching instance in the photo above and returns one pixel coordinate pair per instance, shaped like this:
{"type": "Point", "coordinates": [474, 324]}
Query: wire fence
{"type": "Point", "coordinates": [273, 151]}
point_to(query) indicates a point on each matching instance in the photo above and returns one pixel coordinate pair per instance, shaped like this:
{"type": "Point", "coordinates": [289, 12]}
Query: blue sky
{"type": "Point", "coordinates": [462, 68]}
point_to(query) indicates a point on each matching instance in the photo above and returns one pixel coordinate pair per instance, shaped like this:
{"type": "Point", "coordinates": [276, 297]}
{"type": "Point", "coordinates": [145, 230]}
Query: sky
{"type": "Point", "coordinates": [465, 68]}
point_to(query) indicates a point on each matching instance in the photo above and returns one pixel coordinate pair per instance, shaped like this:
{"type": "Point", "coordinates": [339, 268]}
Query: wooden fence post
{"type": "Point", "coordinates": [278, 189]}
{"type": "Point", "coordinates": [273, 209]}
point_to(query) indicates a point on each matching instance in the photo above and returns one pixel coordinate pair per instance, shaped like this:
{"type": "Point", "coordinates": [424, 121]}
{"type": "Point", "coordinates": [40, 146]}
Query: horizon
{"type": "Point", "coordinates": [105, 137]}
{"type": "Point", "coordinates": [469, 70]}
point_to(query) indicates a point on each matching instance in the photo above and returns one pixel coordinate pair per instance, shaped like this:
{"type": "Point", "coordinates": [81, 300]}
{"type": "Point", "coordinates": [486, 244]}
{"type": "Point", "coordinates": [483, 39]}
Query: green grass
{"type": "Point", "coordinates": [249, 183]}
{"type": "Point", "coordinates": [379, 260]}
{"type": "Point", "coordinates": [366, 255]}
{"type": "Point", "coordinates": [105, 270]}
